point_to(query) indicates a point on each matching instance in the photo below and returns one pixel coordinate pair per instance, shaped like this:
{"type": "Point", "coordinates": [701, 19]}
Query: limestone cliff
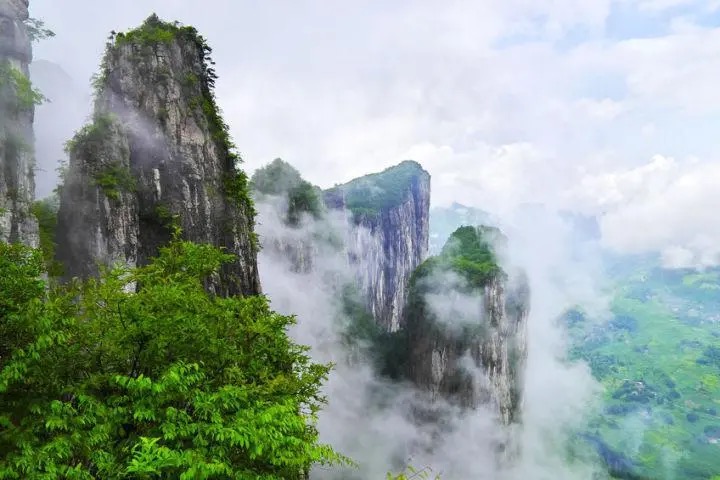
{"type": "Point", "coordinates": [157, 153]}
{"type": "Point", "coordinates": [17, 105]}
{"type": "Point", "coordinates": [390, 214]}
{"type": "Point", "coordinates": [465, 325]}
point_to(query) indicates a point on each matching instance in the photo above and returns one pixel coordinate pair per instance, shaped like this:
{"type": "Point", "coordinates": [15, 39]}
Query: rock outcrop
{"type": "Point", "coordinates": [389, 240]}
{"type": "Point", "coordinates": [17, 106]}
{"type": "Point", "coordinates": [465, 325]}
{"type": "Point", "coordinates": [156, 155]}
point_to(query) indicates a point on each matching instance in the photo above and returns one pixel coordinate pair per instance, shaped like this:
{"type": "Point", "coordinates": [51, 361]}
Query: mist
{"type": "Point", "coordinates": [67, 107]}
{"type": "Point", "coordinates": [374, 421]}
{"type": "Point", "coordinates": [559, 395]}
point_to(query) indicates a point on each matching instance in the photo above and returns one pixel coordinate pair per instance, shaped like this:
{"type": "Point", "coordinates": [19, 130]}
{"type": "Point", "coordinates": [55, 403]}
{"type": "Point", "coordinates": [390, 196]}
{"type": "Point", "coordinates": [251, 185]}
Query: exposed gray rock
{"type": "Point", "coordinates": [467, 340]}
{"type": "Point", "coordinates": [389, 238]}
{"type": "Point", "coordinates": [17, 183]}
{"type": "Point", "coordinates": [157, 149]}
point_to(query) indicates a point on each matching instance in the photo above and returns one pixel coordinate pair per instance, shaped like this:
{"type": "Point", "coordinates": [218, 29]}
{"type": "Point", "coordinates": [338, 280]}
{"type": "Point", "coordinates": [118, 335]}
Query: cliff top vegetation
{"type": "Point", "coordinates": [282, 179]}
{"type": "Point", "coordinates": [470, 253]}
{"type": "Point", "coordinates": [372, 193]}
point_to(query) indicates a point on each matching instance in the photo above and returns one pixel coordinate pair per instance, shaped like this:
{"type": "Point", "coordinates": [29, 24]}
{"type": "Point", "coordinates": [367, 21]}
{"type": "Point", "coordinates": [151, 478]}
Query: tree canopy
{"type": "Point", "coordinates": [144, 374]}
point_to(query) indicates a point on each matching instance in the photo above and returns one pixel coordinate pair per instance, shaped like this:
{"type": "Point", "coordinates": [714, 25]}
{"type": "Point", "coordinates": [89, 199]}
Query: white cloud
{"type": "Point", "coordinates": [342, 89]}
{"type": "Point", "coordinates": [605, 109]}
{"type": "Point", "coordinates": [667, 206]}
{"type": "Point", "coordinates": [660, 5]}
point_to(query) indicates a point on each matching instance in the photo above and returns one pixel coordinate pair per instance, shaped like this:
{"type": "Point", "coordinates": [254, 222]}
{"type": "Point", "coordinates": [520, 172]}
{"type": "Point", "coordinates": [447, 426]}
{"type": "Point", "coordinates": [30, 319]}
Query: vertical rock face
{"type": "Point", "coordinates": [17, 105]}
{"type": "Point", "coordinates": [390, 212]}
{"type": "Point", "coordinates": [466, 325]}
{"type": "Point", "coordinates": [156, 154]}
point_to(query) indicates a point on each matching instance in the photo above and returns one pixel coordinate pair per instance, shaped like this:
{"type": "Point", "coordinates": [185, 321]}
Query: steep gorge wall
{"type": "Point", "coordinates": [157, 154]}
{"type": "Point", "coordinates": [17, 106]}
{"type": "Point", "coordinates": [390, 234]}
{"type": "Point", "coordinates": [466, 325]}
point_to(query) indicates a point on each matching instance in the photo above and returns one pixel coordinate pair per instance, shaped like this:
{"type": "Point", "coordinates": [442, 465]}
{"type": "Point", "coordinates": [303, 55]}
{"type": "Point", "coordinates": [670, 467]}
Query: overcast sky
{"type": "Point", "coordinates": [601, 106]}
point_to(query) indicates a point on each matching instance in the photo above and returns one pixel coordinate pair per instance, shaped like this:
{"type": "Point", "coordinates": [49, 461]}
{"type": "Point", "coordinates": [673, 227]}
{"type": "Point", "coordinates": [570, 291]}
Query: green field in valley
{"type": "Point", "coordinates": [658, 359]}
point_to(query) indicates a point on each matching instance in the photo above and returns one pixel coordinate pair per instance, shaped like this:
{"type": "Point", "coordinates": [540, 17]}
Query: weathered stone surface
{"type": "Point", "coordinates": [157, 141]}
{"type": "Point", "coordinates": [469, 345]}
{"type": "Point", "coordinates": [390, 241]}
{"type": "Point", "coordinates": [17, 183]}
{"type": "Point", "coordinates": [15, 9]}
{"type": "Point", "coordinates": [14, 40]}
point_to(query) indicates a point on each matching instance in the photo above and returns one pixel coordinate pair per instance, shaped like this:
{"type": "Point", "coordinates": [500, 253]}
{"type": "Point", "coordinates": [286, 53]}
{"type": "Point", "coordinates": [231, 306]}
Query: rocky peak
{"type": "Point", "coordinates": [17, 105]}
{"type": "Point", "coordinates": [390, 213]}
{"type": "Point", "coordinates": [465, 324]}
{"type": "Point", "coordinates": [156, 155]}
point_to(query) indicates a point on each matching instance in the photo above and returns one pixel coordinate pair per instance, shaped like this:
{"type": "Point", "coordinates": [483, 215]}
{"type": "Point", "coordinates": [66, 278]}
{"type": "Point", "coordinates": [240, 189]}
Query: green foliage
{"type": "Point", "coordinates": [16, 90]}
{"type": "Point", "coordinates": [238, 192]}
{"type": "Point", "coordinates": [191, 80]}
{"type": "Point", "coordinates": [36, 29]}
{"type": "Point", "coordinates": [470, 252]}
{"type": "Point", "coordinates": [162, 380]}
{"type": "Point", "coordinates": [279, 178]}
{"type": "Point", "coordinates": [45, 211]}
{"type": "Point", "coordinates": [154, 31]}
{"type": "Point", "coordinates": [303, 198]}
{"type": "Point", "coordinates": [20, 268]}
{"type": "Point", "coordinates": [388, 351]}
{"type": "Point", "coordinates": [276, 178]}
{"type": "Point", "coordinates": [113, 179]}
{"type": "Point", "coordinates": [411, 473]}
{"type": "Point", "coordinates": [368, 195]}
{"type": "Point", "coordinates": [657, 360]}
{"type": "Point", "coordinates": [89, 140]}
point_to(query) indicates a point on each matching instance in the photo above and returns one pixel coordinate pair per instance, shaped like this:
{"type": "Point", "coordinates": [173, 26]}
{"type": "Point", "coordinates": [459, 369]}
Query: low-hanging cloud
{"type": "Point", "coordinates": [375, 421]}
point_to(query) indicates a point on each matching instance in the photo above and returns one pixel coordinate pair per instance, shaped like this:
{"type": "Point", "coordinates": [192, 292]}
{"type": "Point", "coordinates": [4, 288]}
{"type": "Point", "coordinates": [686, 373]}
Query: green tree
{"type": "Point", "coordinates": [144, 374]}
{"type": "Point", "coordinates": [279, 178]}
{"type": "Point", "coordinates": [411, 473]}
{"type": "Point", "coordinates": [20, 269]}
